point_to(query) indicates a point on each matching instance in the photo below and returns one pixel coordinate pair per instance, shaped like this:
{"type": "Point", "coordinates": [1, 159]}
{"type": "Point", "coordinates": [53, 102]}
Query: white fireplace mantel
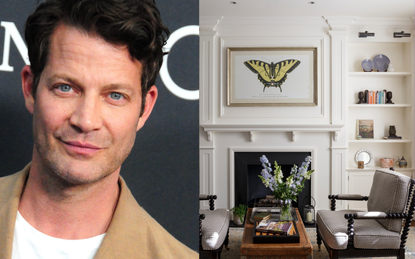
{"type": "Point", "coordinates": [251, 129]}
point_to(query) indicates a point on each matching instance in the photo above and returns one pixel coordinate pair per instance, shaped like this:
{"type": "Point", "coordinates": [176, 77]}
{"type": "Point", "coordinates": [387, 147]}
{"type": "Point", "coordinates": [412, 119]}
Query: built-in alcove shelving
{"type": "Point", "coordinates": [401, 114]}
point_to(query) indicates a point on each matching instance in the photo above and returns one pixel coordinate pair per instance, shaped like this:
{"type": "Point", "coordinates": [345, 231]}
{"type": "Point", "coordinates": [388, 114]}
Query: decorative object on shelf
{"type": "Point", "coordinates": [392, 130]}
{"type": "Point", "coordinates": [239, 213]}
{"type": "Point", "coordinates": [272, 76]}
{"type": "Point", "coordinates": [387, 162]}
{"type": "Point", "coordinates": [392, 133]}
{"type": "Point", "coordinates": [402, 162]}
{"type": "Point", "coordinates": [367, 65]}
{"type": "Point", "coordinates": [366, 34]}
{"type": "Point", "coordinates": [309, 212]}
{"type": "Point", "coordinates": [365, 128]}
{"type": "Point", "coordinates": [358, 137]}
{"type": "Point", "coordinates": [381, 63]}
{"type": "Point", "coordinates": [361, 97]}
{"type": "Point", "coordinates": [391, 68]}
{"type": "Point", "coordinates": [401, 34]}
{"type": "Point", "coordinates": [363, 155]}
{"type": "Point", "coordinates": [389, 97]}
{"type": "Point", "coordinates": [290, 189]}
{"type": "Point", "coordinates": [361, 164]}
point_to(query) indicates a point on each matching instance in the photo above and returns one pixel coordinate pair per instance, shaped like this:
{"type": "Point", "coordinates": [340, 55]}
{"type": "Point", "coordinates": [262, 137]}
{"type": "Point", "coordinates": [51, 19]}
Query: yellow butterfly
{"type": "Point", "coordinates": [272, 74]}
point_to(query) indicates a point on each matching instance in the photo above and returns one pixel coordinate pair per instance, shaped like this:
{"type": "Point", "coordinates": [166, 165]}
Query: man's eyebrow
{"type": "Point", "coordinates": [114, 86]}
{"type": "Point", "coordinates": [125, 88]}
{"type": "Point", "coordinates": [62, 77]}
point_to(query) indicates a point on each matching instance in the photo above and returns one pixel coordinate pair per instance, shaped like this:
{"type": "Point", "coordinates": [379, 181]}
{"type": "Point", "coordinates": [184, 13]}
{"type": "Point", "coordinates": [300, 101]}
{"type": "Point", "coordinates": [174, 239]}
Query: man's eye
{"type": "Point", "coordinates": [64, 88]}
{"type": "Point", "coordinates": [116, 96]}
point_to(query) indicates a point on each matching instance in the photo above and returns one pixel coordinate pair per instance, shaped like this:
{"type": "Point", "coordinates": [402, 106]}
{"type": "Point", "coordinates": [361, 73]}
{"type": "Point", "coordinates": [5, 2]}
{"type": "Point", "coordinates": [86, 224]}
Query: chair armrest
{"type": "Point", "coordinates": [368, 215]}
{"type": "Point", "coordinates": [203, 197]}
{"type": "Point", "coordinates": [352, 197]}
{"type": "Point", "coordinates": [211, 198]}
{"type": "Point", "coordinates": [375, 215]}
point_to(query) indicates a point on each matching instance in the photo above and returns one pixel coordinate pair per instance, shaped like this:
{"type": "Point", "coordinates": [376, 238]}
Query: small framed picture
{"type": "Point", "coordinates": [365, 128]}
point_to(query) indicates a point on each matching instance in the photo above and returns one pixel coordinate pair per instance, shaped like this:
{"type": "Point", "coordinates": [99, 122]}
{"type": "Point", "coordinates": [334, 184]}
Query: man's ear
{"type": "Point", "coordinates": [27, 87]}
{"type": "Point", "coordinates": [151, 98]}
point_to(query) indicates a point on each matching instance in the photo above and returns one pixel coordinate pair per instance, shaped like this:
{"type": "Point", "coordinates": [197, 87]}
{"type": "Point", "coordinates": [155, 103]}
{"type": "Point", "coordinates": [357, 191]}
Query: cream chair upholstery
{"type": "Point", "coordinates": [380, 231]}
{"type": "Point", "coordinates": [214, 229]}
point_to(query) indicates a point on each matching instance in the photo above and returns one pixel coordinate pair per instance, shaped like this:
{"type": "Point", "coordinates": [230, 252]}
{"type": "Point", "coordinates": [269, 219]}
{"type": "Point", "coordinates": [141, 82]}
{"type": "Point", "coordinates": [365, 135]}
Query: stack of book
{"type": "Point", "coordinates": [274, 227]}
{"type": "Point", "coordinates": [375, 97]}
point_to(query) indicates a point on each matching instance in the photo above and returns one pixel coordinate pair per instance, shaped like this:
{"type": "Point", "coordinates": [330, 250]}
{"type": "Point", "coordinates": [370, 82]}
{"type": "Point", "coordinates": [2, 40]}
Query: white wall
{"type": "Point", "coordinates": [320, 129]}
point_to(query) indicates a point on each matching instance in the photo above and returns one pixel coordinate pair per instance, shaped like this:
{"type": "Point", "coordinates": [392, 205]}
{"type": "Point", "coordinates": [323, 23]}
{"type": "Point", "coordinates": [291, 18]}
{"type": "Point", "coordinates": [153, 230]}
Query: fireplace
{"type": "Point", "coordinates": [248, 186]}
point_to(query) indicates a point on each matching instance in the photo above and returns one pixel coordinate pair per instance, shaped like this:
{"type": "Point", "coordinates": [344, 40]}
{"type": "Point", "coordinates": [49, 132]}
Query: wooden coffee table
{"type": "Point", "coordinates": [249, 250]}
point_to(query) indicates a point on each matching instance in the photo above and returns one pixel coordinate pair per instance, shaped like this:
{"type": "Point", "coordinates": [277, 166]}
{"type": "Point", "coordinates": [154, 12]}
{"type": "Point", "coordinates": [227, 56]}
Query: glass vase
{"type": "Point", "coordinates": [286, 212]}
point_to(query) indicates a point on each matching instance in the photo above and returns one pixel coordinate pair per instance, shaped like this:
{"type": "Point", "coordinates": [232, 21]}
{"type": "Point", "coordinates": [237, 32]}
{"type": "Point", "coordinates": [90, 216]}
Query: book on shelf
{"type": "Point", "coordinates": [375, 97]}
{"type": "Point", "coordinates": [275, 227]}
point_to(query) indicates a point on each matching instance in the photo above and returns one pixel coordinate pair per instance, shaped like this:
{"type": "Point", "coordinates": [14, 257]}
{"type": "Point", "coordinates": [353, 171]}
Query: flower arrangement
{"type": "Point", "coordinates": [286, 191]}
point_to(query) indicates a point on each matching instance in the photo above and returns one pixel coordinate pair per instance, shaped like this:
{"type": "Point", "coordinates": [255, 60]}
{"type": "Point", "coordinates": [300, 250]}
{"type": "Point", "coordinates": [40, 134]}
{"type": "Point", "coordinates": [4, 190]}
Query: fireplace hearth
{"type": "Point", "coordinates": [249, 187]}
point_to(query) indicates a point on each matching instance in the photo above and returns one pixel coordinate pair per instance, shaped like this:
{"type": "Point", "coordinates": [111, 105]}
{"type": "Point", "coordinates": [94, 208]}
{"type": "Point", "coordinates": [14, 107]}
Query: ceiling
{"type": "Point", "coordinates": [283, 8]}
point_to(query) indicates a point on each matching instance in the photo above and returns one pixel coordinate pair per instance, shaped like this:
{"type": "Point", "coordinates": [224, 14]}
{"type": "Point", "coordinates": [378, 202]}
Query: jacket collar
{"type": "Point", "coordinates": [121, 235]}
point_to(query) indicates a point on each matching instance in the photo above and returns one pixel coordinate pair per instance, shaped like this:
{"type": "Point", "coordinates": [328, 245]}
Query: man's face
{"type": "Point", "coordinates": [87, 106]}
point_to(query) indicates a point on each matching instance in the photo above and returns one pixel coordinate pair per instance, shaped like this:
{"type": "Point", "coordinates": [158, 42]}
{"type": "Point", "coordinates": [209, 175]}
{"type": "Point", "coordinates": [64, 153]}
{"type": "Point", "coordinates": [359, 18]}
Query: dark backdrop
{"type": "Point", "coordinates": [162, 169]}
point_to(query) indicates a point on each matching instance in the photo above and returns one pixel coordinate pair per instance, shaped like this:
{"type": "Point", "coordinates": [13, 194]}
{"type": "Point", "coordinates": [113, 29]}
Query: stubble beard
{"type": "Point", "coordinates": [62, 168]}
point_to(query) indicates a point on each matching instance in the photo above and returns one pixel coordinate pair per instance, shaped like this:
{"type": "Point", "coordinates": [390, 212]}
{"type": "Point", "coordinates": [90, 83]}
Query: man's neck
{"type": "Point", "coordinates": [69, 211]}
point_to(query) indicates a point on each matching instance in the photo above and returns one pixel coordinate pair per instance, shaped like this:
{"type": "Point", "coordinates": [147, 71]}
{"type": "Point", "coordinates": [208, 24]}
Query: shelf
{"type": "Point", "coordinates": [383, 141]}
{"type": "Point", "coordinates": [371, 169]}
{"type": "Point", "coordinates": [380, 74]}
{"type": "Point", "coordinates": [402, 105]}
{"type": "Point", "coordinates": [257, 128]}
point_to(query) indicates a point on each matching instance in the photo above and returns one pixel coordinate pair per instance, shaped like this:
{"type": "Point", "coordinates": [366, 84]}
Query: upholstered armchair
{"type": "Point", "coordinates": [381, 231]}
{"type": "Point", "coordinates": [213, 229]}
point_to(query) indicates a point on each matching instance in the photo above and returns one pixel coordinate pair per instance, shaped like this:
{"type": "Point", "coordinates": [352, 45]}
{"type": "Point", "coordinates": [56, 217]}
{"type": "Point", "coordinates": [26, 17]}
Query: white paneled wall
{"type": "Point", "coordinates": [320, 129]}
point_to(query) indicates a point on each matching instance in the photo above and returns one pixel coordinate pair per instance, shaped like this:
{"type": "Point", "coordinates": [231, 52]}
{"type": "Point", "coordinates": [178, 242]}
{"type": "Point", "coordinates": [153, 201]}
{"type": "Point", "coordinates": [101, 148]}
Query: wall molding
{"type": "Point", "coordinates": [253, 129]}
{"type": "Point", "coordinates": [206, 174]}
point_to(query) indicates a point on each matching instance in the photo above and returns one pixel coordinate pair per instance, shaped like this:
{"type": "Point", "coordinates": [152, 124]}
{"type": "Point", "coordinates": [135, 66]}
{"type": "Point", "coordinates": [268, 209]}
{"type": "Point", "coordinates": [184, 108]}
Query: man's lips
{"type": "Point", "coordinates": [81, 148]}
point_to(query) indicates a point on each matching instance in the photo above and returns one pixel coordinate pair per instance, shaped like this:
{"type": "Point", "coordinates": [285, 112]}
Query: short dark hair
{"type": "Point", "coordinates": [135, 24]}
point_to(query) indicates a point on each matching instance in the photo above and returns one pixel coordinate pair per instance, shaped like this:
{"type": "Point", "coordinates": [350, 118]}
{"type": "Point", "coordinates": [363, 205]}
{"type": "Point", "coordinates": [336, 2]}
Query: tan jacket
{"type": "Point", "coordinates": [132, 233]}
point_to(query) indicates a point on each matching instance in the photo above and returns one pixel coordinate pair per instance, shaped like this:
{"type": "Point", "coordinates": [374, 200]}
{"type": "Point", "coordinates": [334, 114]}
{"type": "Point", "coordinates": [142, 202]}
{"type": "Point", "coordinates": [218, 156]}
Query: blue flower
{"type": "Point", "coordinates": [264, 159]}
{"type": "Point", "coordinates": [264, 173]}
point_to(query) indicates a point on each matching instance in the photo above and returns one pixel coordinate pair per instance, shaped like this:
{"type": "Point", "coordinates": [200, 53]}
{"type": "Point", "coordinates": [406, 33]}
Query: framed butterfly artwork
{"type": "Point", "coordinates": [272, 76]}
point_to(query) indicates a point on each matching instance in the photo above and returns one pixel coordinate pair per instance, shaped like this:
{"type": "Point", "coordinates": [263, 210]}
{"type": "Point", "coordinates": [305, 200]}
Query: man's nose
{"type": "Point", "coordinates": [87, 114]}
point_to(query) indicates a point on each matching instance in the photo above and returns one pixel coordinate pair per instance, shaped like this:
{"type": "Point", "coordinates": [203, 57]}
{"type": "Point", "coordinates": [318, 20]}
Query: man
{"type": "Point", "coordinates": [90, 87]}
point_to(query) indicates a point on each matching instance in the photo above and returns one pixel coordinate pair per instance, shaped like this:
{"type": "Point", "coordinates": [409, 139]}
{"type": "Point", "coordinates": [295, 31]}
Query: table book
{"type": "Point", "coordinates": [270, 231]}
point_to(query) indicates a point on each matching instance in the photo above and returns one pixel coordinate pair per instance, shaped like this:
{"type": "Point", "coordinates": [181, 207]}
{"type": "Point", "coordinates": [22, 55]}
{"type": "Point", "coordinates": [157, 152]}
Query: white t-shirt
{"type": "Point", "coordinates": [29, 243]}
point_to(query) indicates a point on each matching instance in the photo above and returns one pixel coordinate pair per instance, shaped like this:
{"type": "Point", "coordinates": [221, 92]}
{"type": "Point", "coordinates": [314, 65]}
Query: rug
{"type": "Point", "coordinates": [235, 239]}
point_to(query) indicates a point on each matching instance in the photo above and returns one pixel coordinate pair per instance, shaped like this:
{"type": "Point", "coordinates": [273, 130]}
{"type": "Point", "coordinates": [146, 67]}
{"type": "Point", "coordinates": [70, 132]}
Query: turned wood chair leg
{"type": "Point", "coordinates": [226, 243]}
{"type": "Point", "coordinates": [318, 239]}
{"type": "Point", "coordinates": [401, 254]}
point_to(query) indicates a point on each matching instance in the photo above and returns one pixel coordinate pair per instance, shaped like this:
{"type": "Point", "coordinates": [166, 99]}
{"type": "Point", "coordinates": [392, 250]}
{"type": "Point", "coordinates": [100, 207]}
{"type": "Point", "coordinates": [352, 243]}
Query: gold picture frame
{"type": "Point", "coordinates": [272, 76]}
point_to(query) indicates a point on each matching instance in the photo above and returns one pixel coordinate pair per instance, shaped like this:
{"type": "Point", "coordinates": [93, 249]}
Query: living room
{"type": "Point", "coordinates": [338, 37]}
